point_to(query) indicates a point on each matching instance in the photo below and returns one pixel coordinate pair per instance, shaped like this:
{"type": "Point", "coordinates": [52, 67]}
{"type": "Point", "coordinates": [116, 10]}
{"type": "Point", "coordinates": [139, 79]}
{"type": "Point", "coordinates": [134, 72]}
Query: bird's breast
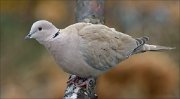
{"type": "Point", "coordinates": [67, 56]}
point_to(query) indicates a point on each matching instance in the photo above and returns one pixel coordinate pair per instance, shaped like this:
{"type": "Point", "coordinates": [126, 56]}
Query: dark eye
{"type": "Point", "coordinates": [39, 28]}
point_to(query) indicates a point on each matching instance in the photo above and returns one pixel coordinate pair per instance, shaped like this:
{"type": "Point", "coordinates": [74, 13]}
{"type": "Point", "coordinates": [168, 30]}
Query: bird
{"type": "Point", "coordinates": [86, 49]}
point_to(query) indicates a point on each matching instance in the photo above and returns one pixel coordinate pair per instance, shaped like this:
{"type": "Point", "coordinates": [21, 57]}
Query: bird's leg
{"type": "Point", "coordinates": [72, 79]}
{"type": "Point", "coordinates": [80, 82]}
{"type": "Point", "coordinates": [84, 83]}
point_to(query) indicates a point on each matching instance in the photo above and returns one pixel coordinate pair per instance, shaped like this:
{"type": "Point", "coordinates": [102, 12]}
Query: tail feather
{"type": "Point", "coordinates": [142, 47]}
{"type": "Point", "coordinates": [148, 47]}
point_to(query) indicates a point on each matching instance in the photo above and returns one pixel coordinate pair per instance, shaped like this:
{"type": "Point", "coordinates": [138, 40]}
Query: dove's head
{"type": "Point", "coordinates": [42, 31]}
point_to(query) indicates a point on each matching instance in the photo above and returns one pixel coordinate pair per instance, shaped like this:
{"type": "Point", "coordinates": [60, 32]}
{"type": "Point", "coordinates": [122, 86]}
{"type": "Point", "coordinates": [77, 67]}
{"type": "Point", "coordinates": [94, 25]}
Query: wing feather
{"type": "Point", "coordinates": [103, 47]}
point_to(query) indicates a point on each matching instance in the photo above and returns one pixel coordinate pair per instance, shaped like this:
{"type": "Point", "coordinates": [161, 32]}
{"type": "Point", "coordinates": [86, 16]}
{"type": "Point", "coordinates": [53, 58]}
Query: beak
{"type": "Point", "coordinates": [28, 36]}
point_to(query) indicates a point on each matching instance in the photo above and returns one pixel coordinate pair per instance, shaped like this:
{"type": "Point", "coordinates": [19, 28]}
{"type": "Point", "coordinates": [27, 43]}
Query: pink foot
{"type": "Point", "coordinates": [79, 82]}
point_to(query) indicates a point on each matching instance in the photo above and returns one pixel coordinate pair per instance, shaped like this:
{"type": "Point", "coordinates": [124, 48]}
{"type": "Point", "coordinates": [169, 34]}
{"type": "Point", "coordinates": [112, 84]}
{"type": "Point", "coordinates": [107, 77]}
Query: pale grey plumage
{"type": "Point", "coordinates": [86, 49]}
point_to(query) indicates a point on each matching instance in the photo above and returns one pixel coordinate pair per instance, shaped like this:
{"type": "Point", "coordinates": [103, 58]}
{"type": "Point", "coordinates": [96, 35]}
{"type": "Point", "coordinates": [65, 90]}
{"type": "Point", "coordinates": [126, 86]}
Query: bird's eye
{"type": "Point", "coordinates": [39, 28]}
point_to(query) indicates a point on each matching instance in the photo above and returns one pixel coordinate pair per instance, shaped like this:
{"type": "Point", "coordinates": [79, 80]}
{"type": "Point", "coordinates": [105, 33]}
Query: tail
{"type": "Point", "coordinates": [142, 47]}
{"type": "Point", "coordinates": [147, 47]}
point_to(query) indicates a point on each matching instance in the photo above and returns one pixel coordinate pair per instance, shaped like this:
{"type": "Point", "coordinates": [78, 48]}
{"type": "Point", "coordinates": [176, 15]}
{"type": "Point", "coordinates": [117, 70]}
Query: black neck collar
{"type": "Point", "coordinates": [56, 34]}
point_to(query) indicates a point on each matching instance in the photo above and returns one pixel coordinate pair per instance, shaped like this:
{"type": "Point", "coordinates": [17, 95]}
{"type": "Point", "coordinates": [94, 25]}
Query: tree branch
{"type": "Point", "coordinates": [91, 11]}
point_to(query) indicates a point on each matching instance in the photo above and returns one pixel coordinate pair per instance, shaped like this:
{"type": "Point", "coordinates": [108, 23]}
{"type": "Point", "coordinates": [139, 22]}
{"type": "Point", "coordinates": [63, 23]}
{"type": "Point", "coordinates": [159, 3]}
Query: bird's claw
{"type": "Point", "coordinates": [79, 82]}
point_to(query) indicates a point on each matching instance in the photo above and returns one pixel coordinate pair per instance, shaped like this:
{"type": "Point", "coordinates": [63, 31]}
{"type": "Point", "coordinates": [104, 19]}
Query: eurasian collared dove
{"type": "Point", "coordinates": [86, 49]}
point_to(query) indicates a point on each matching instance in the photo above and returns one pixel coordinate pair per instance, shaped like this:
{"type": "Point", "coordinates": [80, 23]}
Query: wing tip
{"type": "Point", "coordinates": [146, 38]}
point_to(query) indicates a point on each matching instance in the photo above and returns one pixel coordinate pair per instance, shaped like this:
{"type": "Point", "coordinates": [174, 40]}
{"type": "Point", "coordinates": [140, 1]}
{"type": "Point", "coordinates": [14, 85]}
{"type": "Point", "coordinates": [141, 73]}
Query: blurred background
{"type": "Point", "coordinates": [28, 71]}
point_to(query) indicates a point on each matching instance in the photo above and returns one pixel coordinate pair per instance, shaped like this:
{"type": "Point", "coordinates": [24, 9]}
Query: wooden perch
{"type": "Point", "coordinates": [91, 11]}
